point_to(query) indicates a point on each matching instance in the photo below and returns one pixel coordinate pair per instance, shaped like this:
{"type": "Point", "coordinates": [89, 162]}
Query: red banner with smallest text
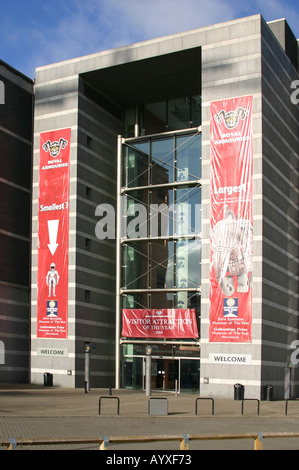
{"type": "Point", "coordinates": [53, 234]}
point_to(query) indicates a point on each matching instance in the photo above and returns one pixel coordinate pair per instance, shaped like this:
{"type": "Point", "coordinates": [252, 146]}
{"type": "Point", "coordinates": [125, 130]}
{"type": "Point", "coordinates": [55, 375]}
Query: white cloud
{"type": "Point", "coordinates": [93, 25]}
{"type": "Point", "coordinates": [154, 18]}
{"type": "Point", "coordinates": [74, 28]}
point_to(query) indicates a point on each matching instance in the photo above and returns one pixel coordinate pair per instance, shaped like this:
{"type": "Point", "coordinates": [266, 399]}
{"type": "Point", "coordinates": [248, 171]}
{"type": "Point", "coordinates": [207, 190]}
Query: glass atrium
{"type": "Point", "coordinates": [160, 243]}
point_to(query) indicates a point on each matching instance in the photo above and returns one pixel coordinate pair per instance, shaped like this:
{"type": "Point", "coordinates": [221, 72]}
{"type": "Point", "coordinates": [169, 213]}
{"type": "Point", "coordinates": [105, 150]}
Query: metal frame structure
{"type": "Point", "coordinates": [121, 141]}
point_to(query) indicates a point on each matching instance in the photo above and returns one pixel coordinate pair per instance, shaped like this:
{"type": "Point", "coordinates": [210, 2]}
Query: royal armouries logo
{"type": "Point", "coordinates": [231, 118]}
{"type": "Point", "coordinates": [55, 147]}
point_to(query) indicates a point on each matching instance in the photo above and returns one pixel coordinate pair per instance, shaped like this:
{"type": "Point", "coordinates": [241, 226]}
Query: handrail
{"type": "Point", "coordinates": [184, 440]}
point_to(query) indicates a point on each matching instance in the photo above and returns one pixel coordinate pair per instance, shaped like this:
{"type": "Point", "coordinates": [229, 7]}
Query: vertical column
{"type": "Point", "coordinates": [118, 262]}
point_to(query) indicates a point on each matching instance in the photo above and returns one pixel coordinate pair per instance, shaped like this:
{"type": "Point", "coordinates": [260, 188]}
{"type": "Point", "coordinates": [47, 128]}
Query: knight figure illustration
{"type": "Point", "coordinates": [52, 279]}
{"type": "Point", "coordinates": [232, 252]}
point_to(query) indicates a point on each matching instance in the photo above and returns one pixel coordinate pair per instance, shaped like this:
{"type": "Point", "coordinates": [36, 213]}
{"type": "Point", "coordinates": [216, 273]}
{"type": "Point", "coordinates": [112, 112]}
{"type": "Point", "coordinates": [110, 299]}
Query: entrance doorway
{"type": "Point", "coordinates": [165, 374]}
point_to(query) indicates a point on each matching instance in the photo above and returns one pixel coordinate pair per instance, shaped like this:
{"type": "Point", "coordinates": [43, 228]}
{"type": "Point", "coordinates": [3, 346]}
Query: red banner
{"type": "Point", "coordinates": [165, 323]}
{"type": "Point", "coordinates": [53, 234]}
{"type": "Point", "coordinates": [231, 220]}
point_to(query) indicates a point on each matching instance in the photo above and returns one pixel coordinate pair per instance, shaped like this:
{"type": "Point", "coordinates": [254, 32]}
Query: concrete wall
{"type": "Point", "coordinates": [56, 107]}
{"type": "Point", "coordinates": [95, 268]}
{"type": "Point", "coordinates": [280, 213]}
{"type": "Point", "coordinates": [262, 69]}
{"type": "Point", "coordinates": [62, 103]}
{"type": "Point", "coordinates": [15, 188]}
{"type": "Point", "coordinates": [231, 67]}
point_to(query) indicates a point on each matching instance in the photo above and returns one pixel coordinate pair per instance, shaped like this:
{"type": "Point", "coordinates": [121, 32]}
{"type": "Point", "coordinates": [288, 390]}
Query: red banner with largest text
{"type": "Point", "coordinates": [53, 234]}
{"type": "Point", "coordinates": [155, 323]}
{"type": "Point", "coordinates": [231, 223]}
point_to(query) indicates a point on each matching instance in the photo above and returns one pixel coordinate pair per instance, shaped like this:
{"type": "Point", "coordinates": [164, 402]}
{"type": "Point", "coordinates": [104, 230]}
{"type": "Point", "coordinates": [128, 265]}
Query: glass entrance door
{"type": "Point", "coordinates": [165, 373]}
{"type": "Point", "coordinates": [189, 376]}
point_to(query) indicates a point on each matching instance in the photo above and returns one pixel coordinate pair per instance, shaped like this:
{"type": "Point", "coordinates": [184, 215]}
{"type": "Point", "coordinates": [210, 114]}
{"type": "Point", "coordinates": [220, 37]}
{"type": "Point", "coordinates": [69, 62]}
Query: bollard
{"type": "Point", "coordinates": [105, 443]}
{"type": "Point", "coordinates": [113, 398]}
{"type": "Point", "coordinates": [258, 442]}
{"type": "Point", "coordinates": [13, 445]}
{"type": "Point", "coordinates": [184, 444]}
{"type": "Point", "coordinates": [251, 399]}
{"type": "Point", "coordinates": [158, 406]}
{"type": "Point", "coordinates": [205, 398]}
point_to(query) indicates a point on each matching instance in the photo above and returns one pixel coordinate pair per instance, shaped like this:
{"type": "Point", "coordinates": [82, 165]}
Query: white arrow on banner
{"type": "Point", "coordinates": [53, 230]}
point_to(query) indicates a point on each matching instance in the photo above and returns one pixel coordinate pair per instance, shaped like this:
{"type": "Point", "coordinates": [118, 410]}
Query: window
{"type": "Point", "coordinates": [166, 160]}
{"type": "Point", "coordinates": [188, 158]}
{"type": "Point", "coordinates": [162, 264]}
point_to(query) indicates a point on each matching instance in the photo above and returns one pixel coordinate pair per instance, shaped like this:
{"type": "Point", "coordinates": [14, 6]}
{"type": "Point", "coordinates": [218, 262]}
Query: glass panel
{"type": "Point", "coordinates": [194, 302]}
{"type": "Point", "coordinates": [133, 373]}
{"type": "Point", "coordinates": [188, 207]}
{"type": "Point", "coordinates": [136, 214]}
{"type": "Point", "coordinates": [136, 165]}
{"type": "Point", "coordinates": [135, 266]}
{"type": "Point", "coordinates": [175, 114]}
{"type": "Point", "coordinates": [188, 157]}
{"type": "Point", "coordinates": [189, 375]}
{"type": "Point", "coordinates": [162, 161]}
{"type": "Point", "coordinates": [161, 216]}
{"type": "Point", "coordinates": [162, 300]}
{"type": "Point", "coordinates": [164, 373]}
{"type": "Point", "coordinates": [157, 261]}
{"type": "Point", "coordinates": [155, 118]}
{"type": "Point", "coordinates": [161, 264]}
{"type": "Point", "coordinates": [194, 299]}
{"type": "Point", "coordinates": [143, 146]}
{"type": "Point", "coordinates": [130, 117]}
{"type": "Point", "coordinates": [188, 267]}
{"type": "Point", "coordinates": [135, 300]}
{"type": "Point", "coordinates": [179, 113]}
{"type": "Point", "coordinates": [196, 110]}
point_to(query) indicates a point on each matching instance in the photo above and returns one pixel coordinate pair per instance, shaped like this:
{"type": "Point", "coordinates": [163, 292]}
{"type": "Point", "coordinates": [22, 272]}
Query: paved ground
{"type": "Point", "coordinates": [31, 412]}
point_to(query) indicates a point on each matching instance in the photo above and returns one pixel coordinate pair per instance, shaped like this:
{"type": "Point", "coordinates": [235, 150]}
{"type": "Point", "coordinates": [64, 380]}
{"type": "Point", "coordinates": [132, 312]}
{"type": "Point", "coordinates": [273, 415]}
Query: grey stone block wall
{"type": "Point", "coordinates": [280, 213]}
{"type": "Point", "coordinates": [15, 188]}
{"type": "Point", "coordinates": [95, 261]}
{"type": "Point", "coordinates": [56, 107]}
{"type": "Point", "coordinates": [231, 67]}
{"type": "Point", "coordinates": [60, 104]}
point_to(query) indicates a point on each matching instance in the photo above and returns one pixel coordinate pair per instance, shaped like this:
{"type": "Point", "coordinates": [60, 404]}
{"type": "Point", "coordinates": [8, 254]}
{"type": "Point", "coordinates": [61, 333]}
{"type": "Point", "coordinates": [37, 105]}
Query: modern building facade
{"type": "Point", "coordinates": [135, 152]}
{"type": "Point", "coordinates": [16, 126]}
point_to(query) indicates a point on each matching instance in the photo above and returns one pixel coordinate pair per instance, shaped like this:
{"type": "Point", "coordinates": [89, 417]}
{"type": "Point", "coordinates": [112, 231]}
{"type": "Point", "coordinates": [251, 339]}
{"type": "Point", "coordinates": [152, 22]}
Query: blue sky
{"type": "Point", "coordinates": [39, 32]}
